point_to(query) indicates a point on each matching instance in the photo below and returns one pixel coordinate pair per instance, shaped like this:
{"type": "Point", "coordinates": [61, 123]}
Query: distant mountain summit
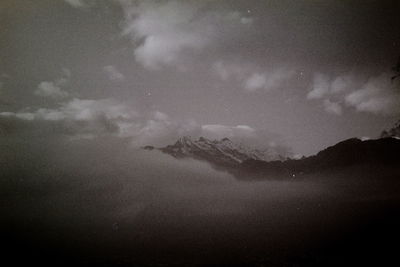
{"type": "Point", "coordinates": [246, 163]}
{"type": "Point", "coordinates": [393, 132]}
{"type": "Point", "coordinates": [222, 152]}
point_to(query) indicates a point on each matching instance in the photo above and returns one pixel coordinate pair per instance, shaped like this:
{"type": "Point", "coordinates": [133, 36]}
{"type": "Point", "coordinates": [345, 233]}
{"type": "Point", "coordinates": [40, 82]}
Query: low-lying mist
{"type": "Point", "coordinates": [103, 200]}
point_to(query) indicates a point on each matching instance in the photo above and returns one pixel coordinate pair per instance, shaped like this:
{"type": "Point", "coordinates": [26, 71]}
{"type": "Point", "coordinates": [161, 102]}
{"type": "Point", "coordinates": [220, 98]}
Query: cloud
{"type": "Point", "coordinates": [113, 73]}
{"type": "Point", "coordinates": [76, 3]}
{"type": "Point", "coordinates": [227, 71]}
{"type": "Point", "coordinates": [99, 183]}
{"type": "Point", "coordinates": [332, 107]}
{"type": "Point", "coordinates": [341, 83]}
{"type": "Point", "coordinates": [50, 89]}
{"type": "Point", "coordinates": [267, 81]}
{"type": "Point", "coordinates": [20, 115]}
{"type": "Point", "coordinates": [218, 131]}
{"type": "Point", "coordinates": [164, 32]}
{"type": "Point", "coordinates": [321, 85]}
{"type": "Point", "coordinates": [255, 81]}
{"type": "Point", "coordinates": [166, 29]}
{"type": "Point", "coordinates": [84, 117]}
{"type": "Point", "coordinates": [159, 130]}
{"type": "Point", "coordinates": [53, 89]}
{"type": "Point", "coordinates": [246, 20]}
{"type": "Point", "coordinates": [378, 95]}
{"type": "Point", "coordinates": [252, 79]}
{"type": "Point", "coordinates": [88, 119]}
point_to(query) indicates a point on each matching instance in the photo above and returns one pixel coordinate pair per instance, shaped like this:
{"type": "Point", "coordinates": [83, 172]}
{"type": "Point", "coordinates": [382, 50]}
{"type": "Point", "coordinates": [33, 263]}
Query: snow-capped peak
{"type": "Point", "coordinates": [223, 151]}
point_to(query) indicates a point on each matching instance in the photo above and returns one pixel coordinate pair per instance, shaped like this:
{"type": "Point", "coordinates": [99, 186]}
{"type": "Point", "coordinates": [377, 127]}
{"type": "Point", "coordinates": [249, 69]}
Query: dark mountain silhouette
{"type": "Point", "coordinates": [242, 162]}
{"type": "Point", "coordinates": [348, 153]}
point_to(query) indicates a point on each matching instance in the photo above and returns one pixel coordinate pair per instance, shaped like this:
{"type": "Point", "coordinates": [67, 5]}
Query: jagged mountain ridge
{"type": "Point", "coordinates": [244, 163]}
{"type": "Point", "coordinates": [348, 153]}
{"type": "Point", "coordinates": [222, 152]}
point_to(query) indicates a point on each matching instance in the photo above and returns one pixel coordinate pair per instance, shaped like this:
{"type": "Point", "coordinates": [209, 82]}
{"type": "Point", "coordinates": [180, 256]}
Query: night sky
{"type": "Point", "coordinates": [299, 74]}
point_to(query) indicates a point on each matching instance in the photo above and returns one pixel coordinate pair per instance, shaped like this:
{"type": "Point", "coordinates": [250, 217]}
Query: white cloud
{"type": "Point", "coordinates": [218, 131]}
{"type": "Point", "coordinates": [88, 118]}
{"type": "Point", "coordinates": [84, 116]}
{"type": "Point", "coordinates": [250, 78]}
{"type": "Point", "coordinates": [341, 84]}
{"type": "Point", "coordinates": [332, 107]}
{"type": "Point", "coordinates": [321, 85]}
{"type": "Point", "coordinates": [113, 73]}
{"type": "Point", "coordinates": [255, 81]}
{"type": "Point", "coordinates": [378, 95]}
{"type": "Point", "coordinates": [267, 81]}
{"type": "Point", "coordinates": [164, 31]}
{"type": "Point", "coordinates": [227, 71]}
{"type": "Point", "coordinates": [53, 89]}
{"type": "Point", "coordinates": [50, 89]}
{"type": "Point", "coordinates": [156, 130]}
{"type": "Point", "coordinates": [20, 115]}
{"type": "Point", "coordinates": [220, 69]}
{"type": "Point", "coordinates": [325, 86]}
{"type": "Point", "coordinates": [76, 3]}
{"type": "Point", "coordinates": [246, 20]}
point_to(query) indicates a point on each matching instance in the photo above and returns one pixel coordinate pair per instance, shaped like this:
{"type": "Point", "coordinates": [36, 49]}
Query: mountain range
{"type": "Point", "coordinates": [220, 153]}
{"type": "Point", "coordinates": [242, 161]}
{"type": "Point", "coordinates": [378, 153]}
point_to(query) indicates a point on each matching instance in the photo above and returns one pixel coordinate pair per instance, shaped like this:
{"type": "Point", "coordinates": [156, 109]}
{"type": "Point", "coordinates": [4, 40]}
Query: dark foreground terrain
{"type": "Point", "coordinates": [91, 209]}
